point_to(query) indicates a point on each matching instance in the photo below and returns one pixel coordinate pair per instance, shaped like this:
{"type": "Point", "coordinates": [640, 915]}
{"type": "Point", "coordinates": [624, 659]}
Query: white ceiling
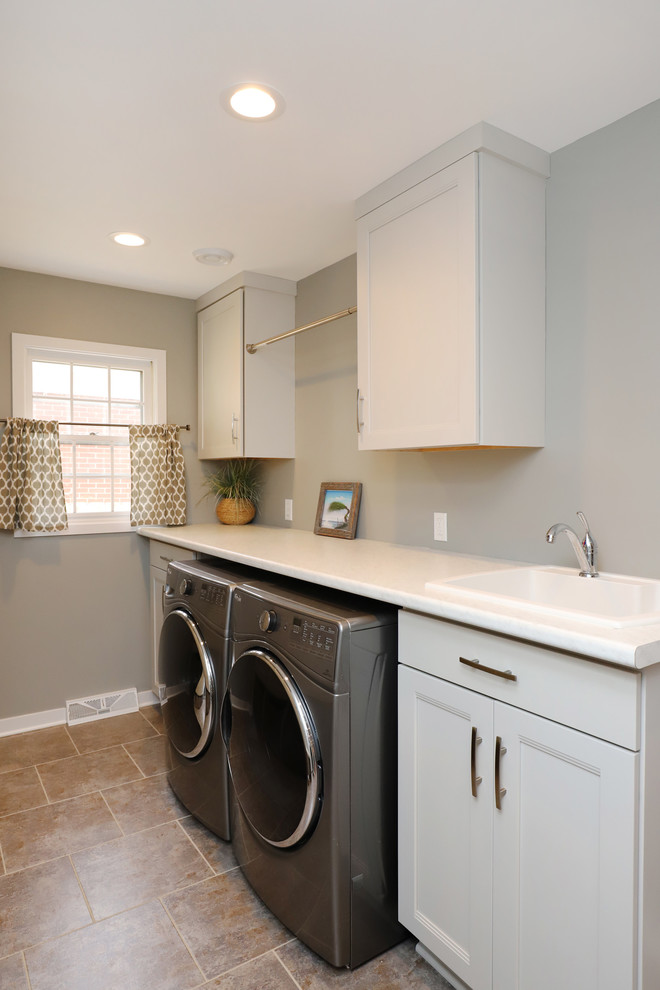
{"type": "Point", "coordinates": [111, 118]}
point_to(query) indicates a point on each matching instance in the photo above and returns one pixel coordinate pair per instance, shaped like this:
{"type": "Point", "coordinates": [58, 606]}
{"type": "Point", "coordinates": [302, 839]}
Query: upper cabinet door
{"type": "Point", "coordinates": [220, 356]}
{"type": "Point", "coordinates": [417, 346]}
{"type": "Point", "coordinates": [247, 401]}
{"type": "Point", "coordinates": [451, 307]}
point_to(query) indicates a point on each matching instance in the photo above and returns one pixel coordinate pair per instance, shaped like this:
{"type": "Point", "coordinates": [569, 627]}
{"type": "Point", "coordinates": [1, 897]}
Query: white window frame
{"type": "Point", "coordinates": [27, 348]}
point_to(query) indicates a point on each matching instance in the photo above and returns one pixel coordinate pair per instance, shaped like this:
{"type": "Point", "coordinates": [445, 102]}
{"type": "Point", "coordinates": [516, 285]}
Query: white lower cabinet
{"type": "Point", "coordinates": [518, 856]}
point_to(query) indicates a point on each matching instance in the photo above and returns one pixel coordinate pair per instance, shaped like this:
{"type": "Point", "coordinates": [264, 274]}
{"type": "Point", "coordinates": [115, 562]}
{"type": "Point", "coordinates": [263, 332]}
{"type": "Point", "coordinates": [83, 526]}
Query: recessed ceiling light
{"type": "Point", "coordinates": [213, 256]}
{"type": "Point", "coordinates": [126, 239]}
{"type": "Point", "coordinates": [253, 101]}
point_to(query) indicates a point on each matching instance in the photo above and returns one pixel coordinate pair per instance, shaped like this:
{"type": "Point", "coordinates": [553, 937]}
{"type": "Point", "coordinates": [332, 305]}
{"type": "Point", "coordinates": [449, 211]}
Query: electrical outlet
{"type": "Point", "coordinates": [440, 526]}
{"type": "Point", "coordinates": [288, 509]}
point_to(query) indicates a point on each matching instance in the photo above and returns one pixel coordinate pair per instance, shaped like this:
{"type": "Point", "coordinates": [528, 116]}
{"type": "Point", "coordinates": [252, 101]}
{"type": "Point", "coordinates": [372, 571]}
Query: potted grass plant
{"type": "Point", "coordinates": [236, 487]}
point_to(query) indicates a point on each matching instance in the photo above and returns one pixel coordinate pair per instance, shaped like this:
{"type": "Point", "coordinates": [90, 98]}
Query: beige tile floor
{"type": "Point", "coordinates": [106, 883]}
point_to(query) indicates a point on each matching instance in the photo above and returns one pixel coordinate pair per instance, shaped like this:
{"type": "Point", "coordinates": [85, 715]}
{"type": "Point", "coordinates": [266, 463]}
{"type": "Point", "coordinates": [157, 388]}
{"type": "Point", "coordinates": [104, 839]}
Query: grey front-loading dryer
{"type": "Point", "coordinates": [193, 660]}
{"type": "Point", "coordinates": [309, 721]}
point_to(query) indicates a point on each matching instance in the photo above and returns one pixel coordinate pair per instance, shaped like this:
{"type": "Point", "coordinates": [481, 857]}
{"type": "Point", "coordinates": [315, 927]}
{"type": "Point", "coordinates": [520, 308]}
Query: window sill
{"type": "Point", "coordinates": [88, 525]}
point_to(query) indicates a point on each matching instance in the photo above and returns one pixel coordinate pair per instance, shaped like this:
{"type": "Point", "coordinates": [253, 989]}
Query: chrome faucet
{"type": "Point", "coordinates": [585, 551]}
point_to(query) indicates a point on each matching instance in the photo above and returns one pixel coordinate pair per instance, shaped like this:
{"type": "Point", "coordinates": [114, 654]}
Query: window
{"type": "Point", "coordinates": [95, 391]}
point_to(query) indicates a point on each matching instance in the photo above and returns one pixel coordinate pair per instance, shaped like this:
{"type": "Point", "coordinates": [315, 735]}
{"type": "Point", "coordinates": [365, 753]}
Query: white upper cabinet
{"type": "Point", "coordinates": [246, 401]}
{"type": "Point", "coordinates": [451, 299]}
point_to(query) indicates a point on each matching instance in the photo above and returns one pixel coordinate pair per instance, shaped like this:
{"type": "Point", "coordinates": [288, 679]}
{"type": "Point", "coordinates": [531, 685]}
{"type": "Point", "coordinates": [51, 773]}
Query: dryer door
{"type": "Point", "coordinates": [273, 749]}
{"type": "Point", "coordinates": [185, 672]}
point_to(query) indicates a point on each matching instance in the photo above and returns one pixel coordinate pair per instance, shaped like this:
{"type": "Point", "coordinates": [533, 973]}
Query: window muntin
{"type": "Point", "coordinates": [80, 382]}
{"type": "Point", "coordinates": [95, 463]}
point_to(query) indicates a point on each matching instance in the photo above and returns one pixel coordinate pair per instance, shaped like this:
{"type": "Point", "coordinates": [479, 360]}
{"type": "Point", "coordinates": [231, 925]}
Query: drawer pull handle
{"type": "Point", "coordinates": [500, 750]}
{"type": "Point", "coordinates": [168, 559]}
{"type": "Point", "coordinates": [474, 780]}
{"type": "Point", "coordinates": [477, 665]}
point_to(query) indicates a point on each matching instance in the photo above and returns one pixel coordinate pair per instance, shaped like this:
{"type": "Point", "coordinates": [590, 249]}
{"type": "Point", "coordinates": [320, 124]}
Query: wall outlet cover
{"type": "Point", "coordinates": [440, 526]}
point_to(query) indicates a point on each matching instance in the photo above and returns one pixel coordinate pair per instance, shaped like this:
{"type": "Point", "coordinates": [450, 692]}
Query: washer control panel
{"type": "Point", "coordinates": [213, 593]}
{"type": "Point", "coordinates": [314, 636]}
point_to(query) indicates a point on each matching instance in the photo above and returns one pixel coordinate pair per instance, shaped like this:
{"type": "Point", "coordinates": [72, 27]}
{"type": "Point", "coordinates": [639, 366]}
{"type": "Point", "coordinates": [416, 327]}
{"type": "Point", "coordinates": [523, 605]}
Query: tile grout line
{"type": "Point", "coordinates": [73, 742]}
{"type": "Point", "coordinates": [185, 944]}
{"type": "Point", "coordinates": [283, 964]}
{"type": "Point", "coordinates": [82, 889]}
{"type": "Point", "coordinates": [214, 872]}
{"type": "Point", "coordinates": [262, 955]}
{"type": "Point", "coordinates": [114, 817]}
{"type": "Point", "coordinates": [43, 788]}
{"type": "Point", "coordinates": [26, 970]}
{"type": "Point", "coordinates": [132, 758]}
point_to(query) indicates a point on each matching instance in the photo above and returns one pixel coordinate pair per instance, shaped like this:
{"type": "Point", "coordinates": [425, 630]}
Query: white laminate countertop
{"type": "Point", "coordinates": [398, 575]}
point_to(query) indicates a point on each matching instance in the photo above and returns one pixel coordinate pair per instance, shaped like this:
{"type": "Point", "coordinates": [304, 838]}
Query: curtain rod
{"type": "Point", "coordinates": [253, 348]}
{"type": "Point", "coordinates": [114, 426]}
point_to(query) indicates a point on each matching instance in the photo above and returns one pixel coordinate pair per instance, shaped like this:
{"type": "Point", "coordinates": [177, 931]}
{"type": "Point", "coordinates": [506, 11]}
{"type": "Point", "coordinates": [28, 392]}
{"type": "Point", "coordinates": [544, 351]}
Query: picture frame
{"type": "Point", "coordinates": [337, 512]}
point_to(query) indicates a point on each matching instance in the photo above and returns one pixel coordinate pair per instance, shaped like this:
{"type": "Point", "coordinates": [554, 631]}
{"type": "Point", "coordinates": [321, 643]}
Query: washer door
{"type": "Point", "coordinates": [273, 749]}
{"type": "Point", "coordinates": [186, 672]}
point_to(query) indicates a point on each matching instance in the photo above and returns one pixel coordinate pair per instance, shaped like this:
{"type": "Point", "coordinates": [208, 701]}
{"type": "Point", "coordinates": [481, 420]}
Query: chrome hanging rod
{"type": "Point", "coordinates": [113, 426]}
{"type": "Point", "coordinates": [253, 348]}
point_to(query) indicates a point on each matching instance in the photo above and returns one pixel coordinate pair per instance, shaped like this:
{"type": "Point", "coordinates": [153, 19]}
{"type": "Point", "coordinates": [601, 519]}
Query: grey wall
{"type": "Point", "coordinates": [603, 395]}
{"type": "Point", "coordinates": [74, 610]}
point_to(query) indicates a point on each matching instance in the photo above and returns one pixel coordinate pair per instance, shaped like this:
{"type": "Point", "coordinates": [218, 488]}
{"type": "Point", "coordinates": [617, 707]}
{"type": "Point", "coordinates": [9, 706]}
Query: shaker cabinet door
{"type": "Point", "coordinates": [565, 864]}
{"type": "Point", "coordinates": [417, 318]}
{"type": "Point", "coordinates": [220, 357]}
{"type": "Point", "coordinates": [445, 822]}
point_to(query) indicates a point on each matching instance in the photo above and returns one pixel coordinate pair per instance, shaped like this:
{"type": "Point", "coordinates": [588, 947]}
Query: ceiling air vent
{"type": "Point", "coordinates": [101, 706]}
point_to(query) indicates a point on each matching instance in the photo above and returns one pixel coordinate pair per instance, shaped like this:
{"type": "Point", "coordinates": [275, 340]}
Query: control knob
{"type": "Point", "coordinates": [267, 620]}
{"type": "Point", "coordinates": [185, 586]}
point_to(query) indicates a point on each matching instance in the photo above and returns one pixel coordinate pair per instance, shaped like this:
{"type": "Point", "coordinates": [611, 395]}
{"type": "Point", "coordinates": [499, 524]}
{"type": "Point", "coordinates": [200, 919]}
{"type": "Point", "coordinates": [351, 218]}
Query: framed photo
{"type": "Point", "coordinates": [339, 502]}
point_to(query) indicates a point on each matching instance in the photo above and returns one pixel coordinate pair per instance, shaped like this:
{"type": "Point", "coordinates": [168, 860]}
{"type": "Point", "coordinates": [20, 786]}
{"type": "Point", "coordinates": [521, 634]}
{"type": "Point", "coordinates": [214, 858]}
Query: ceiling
{"type": "Point", "coordinates": [111, 118]}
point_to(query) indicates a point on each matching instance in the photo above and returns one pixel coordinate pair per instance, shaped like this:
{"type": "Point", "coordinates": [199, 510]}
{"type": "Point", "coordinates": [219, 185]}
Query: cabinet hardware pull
{"type": "Point", "coordinates": [474, 780]}
{"type": "Point", "coordinates": [477, 665]}
{"type": "Point", "coordinates": [359, 422]}
{"type": "Point", "coordinates": [234, 433]}
{"type": "Point", "coordinates": [500, 750]}
{"type": "Point", "coordinates": [168, 559]}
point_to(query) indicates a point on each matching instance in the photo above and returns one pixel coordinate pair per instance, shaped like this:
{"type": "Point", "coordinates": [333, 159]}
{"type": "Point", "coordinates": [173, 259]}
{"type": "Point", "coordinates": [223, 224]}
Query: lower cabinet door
{"type": "Point", "coordinates": [565, 860]}
{"type": "Point", "coordinates": [445, 822]}
{"type": "Point", "coordinates": [518, 845]}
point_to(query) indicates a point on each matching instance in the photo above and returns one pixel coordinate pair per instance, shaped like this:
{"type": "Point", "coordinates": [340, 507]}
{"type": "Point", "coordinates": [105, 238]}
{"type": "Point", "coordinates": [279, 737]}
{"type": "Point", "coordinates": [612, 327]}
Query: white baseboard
{"type": "Point", "coordinates": [55, 716]}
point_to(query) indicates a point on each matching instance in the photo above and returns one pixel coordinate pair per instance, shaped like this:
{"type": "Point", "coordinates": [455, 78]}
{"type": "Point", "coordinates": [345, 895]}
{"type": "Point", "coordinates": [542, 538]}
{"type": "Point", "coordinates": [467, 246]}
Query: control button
{"type": "Point", "coordinates": [268, 620]}
{"type": "Point", "coordinates": [185, 586]}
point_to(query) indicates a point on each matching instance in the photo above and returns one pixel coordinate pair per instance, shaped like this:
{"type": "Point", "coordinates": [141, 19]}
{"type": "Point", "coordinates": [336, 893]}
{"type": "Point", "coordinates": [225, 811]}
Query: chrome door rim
{"type": "Point", "coordinates": [209, 683]}
{"type": "Point", "coordinates": [310, 744]}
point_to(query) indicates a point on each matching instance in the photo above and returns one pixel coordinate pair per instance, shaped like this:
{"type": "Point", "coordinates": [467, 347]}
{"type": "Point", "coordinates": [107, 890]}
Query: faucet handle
{"type": "Point", "coordinates": [587, 532]}
{"type": "Point", "coordinates": [589, 544]}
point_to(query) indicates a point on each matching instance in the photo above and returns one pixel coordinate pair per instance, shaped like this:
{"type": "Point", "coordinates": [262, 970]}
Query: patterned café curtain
{"type": "Point", "coordinates": [158, 484]}
{"type": "Point", "coordinates": [31, 489]}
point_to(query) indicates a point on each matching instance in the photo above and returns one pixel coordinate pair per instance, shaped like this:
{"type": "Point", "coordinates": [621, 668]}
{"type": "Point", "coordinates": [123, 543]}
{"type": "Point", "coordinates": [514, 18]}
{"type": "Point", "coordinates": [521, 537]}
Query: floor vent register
{"type": "Point", "coordinates": [101, 706]}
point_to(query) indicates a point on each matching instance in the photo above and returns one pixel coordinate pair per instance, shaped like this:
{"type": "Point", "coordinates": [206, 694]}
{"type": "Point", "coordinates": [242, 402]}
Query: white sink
{"type": "Point", "coordinates": [608, 600]}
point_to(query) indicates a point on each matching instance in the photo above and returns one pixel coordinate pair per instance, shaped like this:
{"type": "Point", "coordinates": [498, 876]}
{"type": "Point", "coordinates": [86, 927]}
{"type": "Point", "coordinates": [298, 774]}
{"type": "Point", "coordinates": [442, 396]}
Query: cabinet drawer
{"type": "Point", "coordinates": [160, 554]}
{"type": "Point", "coordinates": [593, 697]}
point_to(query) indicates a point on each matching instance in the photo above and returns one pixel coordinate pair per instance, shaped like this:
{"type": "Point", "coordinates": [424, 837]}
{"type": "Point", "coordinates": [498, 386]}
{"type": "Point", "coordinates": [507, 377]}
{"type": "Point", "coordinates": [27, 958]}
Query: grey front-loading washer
{"type": "Point", "coordinates": [309, 721]}
{"type": "Point", "coordinates": [193, 660]}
